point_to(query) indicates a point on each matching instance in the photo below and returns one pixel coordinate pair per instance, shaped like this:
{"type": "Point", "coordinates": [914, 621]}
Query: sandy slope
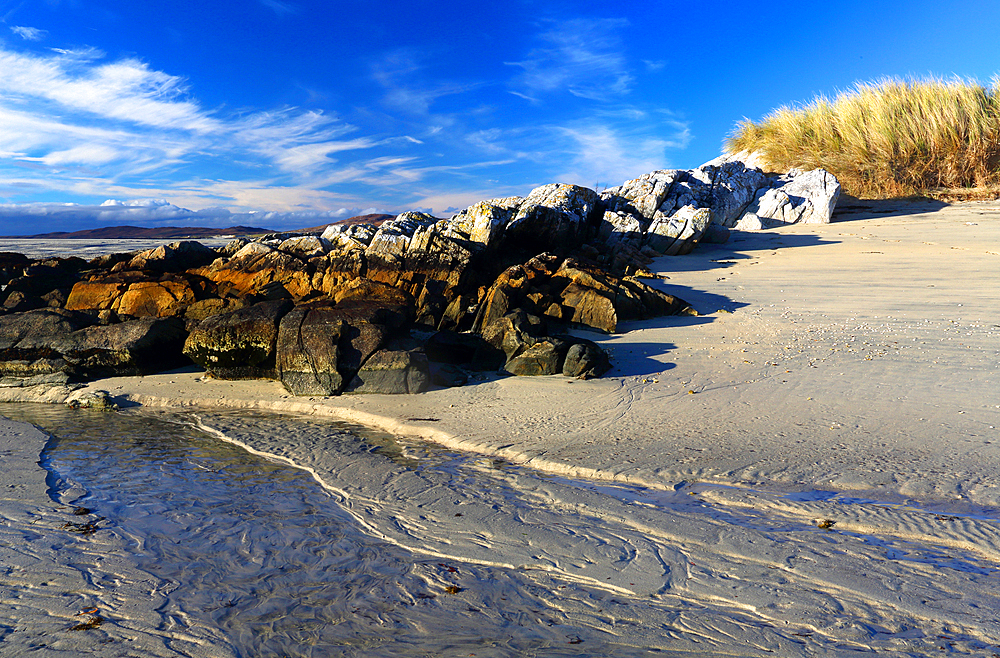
{"type": "Point", "coordinates": [854, 359]}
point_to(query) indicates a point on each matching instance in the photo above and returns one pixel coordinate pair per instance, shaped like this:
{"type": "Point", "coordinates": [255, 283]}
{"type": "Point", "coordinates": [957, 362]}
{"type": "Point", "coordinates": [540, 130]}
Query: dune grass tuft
{"type": "Point", "coordinates": [889, 138]}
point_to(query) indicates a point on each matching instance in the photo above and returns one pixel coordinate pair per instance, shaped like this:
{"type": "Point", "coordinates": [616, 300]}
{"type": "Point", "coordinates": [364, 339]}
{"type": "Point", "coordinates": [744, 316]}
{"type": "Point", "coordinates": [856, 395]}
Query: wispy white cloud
{"type": "Point", "coordinates": [29, 33]}
{"type": "Point", "coordinates": [279, 7]}
{"type": "Point", "coordinates": [584, 57]}
{"type": "Point", "coordinates": [70, 109]}
{"type": "Point", "coordinates": [607, 153]}
{"type": "Point", "coordinates": [126, 90]}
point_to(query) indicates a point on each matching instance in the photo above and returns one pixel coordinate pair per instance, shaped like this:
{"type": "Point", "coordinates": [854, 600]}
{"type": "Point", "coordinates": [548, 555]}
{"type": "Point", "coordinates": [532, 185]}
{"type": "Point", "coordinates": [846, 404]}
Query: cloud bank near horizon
{"type": "Point", "coordinates": [25, 219]}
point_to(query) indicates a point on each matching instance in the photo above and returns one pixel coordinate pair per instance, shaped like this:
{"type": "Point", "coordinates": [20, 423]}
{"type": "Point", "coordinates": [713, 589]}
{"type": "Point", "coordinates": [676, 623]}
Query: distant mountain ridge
{"type": "Point", "coordinates": [144, 233]}
{"type": "Point", "coordinates": [179, 232]}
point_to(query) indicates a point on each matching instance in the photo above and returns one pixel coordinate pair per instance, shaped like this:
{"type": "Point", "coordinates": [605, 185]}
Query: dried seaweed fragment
{"type": "Point", "coordinates": [92, 622]}
{"type": "Point", "coordinates": [85, 529]}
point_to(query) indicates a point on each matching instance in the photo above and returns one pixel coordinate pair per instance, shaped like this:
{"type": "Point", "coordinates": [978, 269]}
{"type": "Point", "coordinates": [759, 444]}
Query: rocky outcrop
{"type": "Point", "coordinates": [524, 341]}
{"type": "Point", "coordinates": [130, 295]}
{"type": "Point", "coordinates": [173, 257]}
{"type": "Point", "coordinates": [567, 290]}
{"type": "Point", "coordinates": [496, 286]}
{"type": "Point", "coordinates": [35, 284]}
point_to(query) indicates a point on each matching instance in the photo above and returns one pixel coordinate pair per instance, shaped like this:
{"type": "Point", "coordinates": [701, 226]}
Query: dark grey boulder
{"type": "Point", "coordinates": [515, 332]}
{"type": "Point", "coordinates": [40, 322]}
{"type": "Point", "coordinates": [466, 349]}
{"type": "Point", "coordinates": [393, 372]}
{"type": "Point", "coordinates": [138, 347]}
{"type": "Point", "coordinates": [448, 375]}
{"type": "Point", "coordinates": [715, 234]}
{"type": "Point", "coordinates": [308, 350]}
{"type": "Point", "coordinates": [585, 360]}
{"type": "Point", "coordinates": [322, 345]}
{"type": "Point", "coordinates": [545, 357]}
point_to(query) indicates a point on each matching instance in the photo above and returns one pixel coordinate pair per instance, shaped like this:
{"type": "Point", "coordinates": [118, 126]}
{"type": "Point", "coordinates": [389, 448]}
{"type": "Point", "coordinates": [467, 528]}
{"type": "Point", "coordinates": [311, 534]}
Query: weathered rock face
{"type": "Point", "coordinates": [132, 294]}
{"type": "Point", "coordinates": [807, 198]}
{"type": "Point", "coordinates": [568, 291]}
{"type": "Point", "coordinates": [239, 344]}
{"type": "Point", "coordinates": [642, 196]}
{"type": "Point", "coordinates": [308, 350]}
{"type": "Point", "coordinates": [677, 234]}
{"type": "Point", "coordinates": [322, 346]}
{"type": "Point", "coordinates": [553, 216]}
{"type": "Point", "coordinates": [262, 270]}
{"type": "Point", "coordinates": [523, 339]}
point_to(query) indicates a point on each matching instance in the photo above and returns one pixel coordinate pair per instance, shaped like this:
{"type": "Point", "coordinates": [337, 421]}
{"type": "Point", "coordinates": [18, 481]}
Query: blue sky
{"type": "Point", "coordinates": [301, 112]}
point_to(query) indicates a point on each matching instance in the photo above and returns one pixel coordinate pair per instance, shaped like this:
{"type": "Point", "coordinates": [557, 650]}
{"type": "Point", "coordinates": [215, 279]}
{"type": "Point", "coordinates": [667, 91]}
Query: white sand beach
{"type": "Point", "coordinates": [842, 380]}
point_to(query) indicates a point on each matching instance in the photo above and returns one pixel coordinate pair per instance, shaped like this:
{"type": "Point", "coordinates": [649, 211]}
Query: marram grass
{"type": "Point", "coordinates": [889, 138]}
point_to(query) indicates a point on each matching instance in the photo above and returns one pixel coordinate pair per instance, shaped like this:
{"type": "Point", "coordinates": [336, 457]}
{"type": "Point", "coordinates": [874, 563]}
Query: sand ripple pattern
{"type": "Point", "coordinates": [378, 545]}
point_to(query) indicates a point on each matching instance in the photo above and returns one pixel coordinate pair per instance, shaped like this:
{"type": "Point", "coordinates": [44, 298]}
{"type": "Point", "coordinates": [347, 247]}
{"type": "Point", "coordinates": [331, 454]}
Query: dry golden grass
{"type": "Point", "coordinates": [888, 138]}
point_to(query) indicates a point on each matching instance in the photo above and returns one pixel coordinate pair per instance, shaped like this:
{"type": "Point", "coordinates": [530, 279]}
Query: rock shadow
{"type": "Point", "coordinates": [706, 257]}
{"type": "Point", "coordinates": [851, 209]}
{"type": "Point", "coordinates": [639, 359]}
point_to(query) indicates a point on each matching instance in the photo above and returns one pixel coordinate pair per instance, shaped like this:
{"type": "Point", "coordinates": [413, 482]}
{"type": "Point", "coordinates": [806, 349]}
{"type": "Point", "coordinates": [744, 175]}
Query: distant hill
{"type": "Point", "coordinates": [182, 232]}
{"type": "Point", "coordinates": [143, 233]}
{"type": "Point", "coordinates": [375, 219]}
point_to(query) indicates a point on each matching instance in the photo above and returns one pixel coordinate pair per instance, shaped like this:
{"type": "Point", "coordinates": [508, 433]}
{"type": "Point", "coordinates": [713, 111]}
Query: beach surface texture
{"type": "Point", "coordinates": [841, 382]}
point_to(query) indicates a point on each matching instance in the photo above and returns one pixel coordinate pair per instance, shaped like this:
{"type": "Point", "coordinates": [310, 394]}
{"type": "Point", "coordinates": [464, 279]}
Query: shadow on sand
{"type": "Point", "coordinates": [851, 209]}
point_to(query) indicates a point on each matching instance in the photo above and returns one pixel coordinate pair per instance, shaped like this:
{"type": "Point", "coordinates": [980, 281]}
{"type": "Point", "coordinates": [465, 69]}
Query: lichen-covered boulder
{"type": "Point", "coordinates": [239, 344]}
